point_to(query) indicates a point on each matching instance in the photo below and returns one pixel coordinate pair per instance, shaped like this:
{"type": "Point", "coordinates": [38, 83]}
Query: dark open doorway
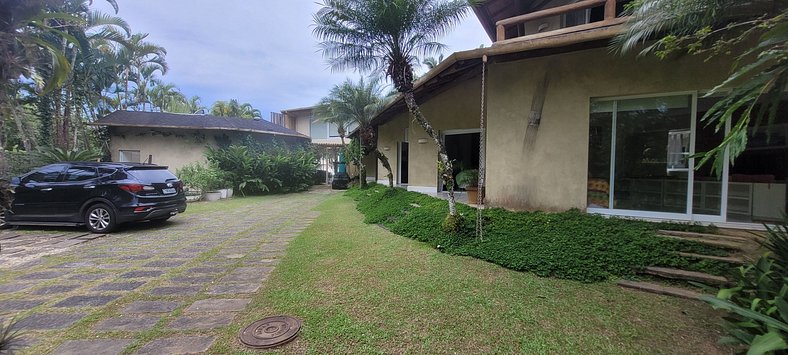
{"type": "Point", "coordinates": [463, 150]}
{"type": "Point", "coordinates": [403, 163]}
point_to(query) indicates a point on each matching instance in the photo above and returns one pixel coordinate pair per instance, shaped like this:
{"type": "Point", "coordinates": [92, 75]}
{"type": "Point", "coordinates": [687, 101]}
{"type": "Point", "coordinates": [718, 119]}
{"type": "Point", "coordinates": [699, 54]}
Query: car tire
{"type": "Point", "coordinates": [100, 218]}
{"type": "Point", "coordinates": [3, 223]}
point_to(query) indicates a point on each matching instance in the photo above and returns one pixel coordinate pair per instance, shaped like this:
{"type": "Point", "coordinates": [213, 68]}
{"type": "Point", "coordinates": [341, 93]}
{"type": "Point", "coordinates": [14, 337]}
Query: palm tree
{"type": "Point", "coordinates": [758, 77]}
{"type": "Point", "coordinates": [234, 108]}
{"type": "Point", "coordinates": [136, 56]}
{"type": "Point", "coordinates": [389, 36]}
{"type": "Point", "coordinates": [356, 103]}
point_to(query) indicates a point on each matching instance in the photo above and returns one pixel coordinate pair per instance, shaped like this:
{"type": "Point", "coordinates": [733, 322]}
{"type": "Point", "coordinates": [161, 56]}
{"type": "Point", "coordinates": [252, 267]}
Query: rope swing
{"type": "Point", "coordinates": [482, 162]}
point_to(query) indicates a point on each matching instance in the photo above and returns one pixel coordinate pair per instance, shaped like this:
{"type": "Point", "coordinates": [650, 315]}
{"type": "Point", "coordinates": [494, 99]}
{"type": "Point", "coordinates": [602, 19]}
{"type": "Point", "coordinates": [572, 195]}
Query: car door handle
{"type": "Point", "coordinates": [89, 187]}
{"type": "Point", "coordinates": [47, 189]}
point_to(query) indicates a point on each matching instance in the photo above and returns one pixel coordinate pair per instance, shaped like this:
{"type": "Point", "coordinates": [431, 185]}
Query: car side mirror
{"type": "Point", "coordinates": [16, 181]}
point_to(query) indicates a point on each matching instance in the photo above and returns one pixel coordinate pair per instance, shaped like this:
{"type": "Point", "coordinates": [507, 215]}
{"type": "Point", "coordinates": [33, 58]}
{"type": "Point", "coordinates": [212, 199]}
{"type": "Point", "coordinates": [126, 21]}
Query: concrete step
{"type": "Point", "coordinates": [709, 242]}
{"type": "Point", "coordinates": [693, 235]}
{"type": "Point", "coordinates": [728, 259]}
{"type": "Point", "coordinates": [678, 274]}
{"type": "Point", "coordinates": [659, 289]}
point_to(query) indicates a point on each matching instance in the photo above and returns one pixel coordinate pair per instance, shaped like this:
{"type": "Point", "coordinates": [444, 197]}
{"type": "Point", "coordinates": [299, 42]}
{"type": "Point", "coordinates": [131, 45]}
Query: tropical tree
{"type": "Point", "coordinates": [759, 73]}
{"type": "Point", "coordinates": [356, 103]}
{"type": "Point", "coordinates": [136, 58]}
{"type": "Point", "coordinates": [234, 108]}
{"type": "Point", "coordinates": [389, 36]}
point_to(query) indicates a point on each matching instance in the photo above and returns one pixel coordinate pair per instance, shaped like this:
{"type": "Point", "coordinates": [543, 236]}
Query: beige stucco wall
{"type": "Point", "coordinates": [171, 148]}
{"type": "Point", "coordinates": [455, 108]}
{"type": "Point", "coordinates": [549, 173]}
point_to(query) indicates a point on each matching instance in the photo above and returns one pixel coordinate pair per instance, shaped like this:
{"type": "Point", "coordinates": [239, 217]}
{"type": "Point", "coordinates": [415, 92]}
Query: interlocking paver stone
{"type": "Point", "coordinates": [219, 305]}
{"type": "Point", "coordinates": [45, 321]}
{"type": "Point", "coordinates": [43, 275]}
{"type": "Point", "coordinates": [86, 301]}
{"type": "Point", "coordinates": [192, 279]}
{"type": "Point", "coordinates": [93, 347]}
{"type": "Point", "coordinates": [14, 287]}
{"type": "Point", "coordinates": [142, 273]}
{"type": "Point", "coordinates": [176, 290]}
{"type": "Point", "coordinates": [202, 321]}
{"type": "Point", "coordinates": [165, 263]}
{"type": "Point", "coordinates": [54, 289]}
{"type": "Point", "coordinates": [178, 345]}
{"type": "Point", "coordinates": [129, 323]}
{"type": "Point", "coordinates": [19, 305]}
{"type": "Point", "coordinates": [151, 307]}
{"type": "Point", "coordinates": [119, 286]}
{"type": "Point", "coordinates": [88, 277]}
{"type": "Point", "coordinates": [233, 288]}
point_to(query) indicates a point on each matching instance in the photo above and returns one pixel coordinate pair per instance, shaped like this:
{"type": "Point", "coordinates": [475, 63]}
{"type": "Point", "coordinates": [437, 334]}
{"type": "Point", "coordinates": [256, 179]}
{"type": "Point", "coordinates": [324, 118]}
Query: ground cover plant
{"type": "Point", "coordinates": [569, 245]}
{"type": "Point", "coordinates": [362, 289]}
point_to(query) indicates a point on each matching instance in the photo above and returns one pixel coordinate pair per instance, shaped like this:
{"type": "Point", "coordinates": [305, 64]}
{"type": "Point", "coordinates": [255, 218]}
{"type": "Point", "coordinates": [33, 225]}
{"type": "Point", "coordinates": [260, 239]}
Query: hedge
{"type": "Point", "coordinates": [568, 245]}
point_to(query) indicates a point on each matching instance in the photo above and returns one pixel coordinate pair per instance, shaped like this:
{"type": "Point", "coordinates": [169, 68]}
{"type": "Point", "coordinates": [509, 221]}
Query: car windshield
{"type": "Point", "coordinates": [148, 176]}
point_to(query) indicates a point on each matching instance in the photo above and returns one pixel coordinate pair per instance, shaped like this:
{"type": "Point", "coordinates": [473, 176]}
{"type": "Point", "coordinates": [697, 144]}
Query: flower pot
{"type": "Point", "coordinates": [473, 194]}
{"type": "Point", "coordinates": [212, 196]}
{"type": "Point", "coordinates": [229, 192]}
{"type": "Point", "coordinates": [223, 193]}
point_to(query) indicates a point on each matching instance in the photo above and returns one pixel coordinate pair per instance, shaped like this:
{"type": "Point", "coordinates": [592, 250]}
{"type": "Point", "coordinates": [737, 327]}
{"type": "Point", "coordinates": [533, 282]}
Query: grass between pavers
{"type": "Point", "coordinates": [569, 245]}
{"type": "Point", "coordinates": [362, 289]}
{"type": "Point", "coordinates": [83, 329]}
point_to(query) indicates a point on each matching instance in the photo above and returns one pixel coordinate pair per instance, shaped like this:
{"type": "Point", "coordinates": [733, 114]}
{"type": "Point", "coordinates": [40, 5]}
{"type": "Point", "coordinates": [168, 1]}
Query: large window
{"type": "Point", "coordinates": [640, 160]}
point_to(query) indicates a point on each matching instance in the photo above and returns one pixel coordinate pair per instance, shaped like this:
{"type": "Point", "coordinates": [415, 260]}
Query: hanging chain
{"type": "Point", "coordinates": [482, 162]}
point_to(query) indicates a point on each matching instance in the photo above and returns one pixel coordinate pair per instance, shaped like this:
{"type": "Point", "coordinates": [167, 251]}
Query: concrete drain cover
{"type": "Point", "coordinates": [270, 332]}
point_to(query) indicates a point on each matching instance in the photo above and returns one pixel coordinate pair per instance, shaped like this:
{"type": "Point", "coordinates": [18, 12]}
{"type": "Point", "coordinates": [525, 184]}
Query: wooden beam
{"type": "Point", "coordinates": [566, 31]}
{"type": "Point", "coordinates": [553, 11]}
{"type": "Point", "coordinates": [500, 31]}
{"type": "Point", "coordinates": [610, 9]}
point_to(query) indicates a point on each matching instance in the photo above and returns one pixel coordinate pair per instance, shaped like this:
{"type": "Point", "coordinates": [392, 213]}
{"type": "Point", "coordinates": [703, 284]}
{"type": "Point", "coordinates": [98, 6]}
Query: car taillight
{"type": "Point", "coordinates": [134, 188]}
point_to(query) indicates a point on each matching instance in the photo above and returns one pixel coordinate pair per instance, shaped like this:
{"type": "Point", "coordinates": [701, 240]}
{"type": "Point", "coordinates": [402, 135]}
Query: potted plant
{"type": "Point", "coordinates": [469, 180]}
{"type": "Point", "coordinates": [206, 178]}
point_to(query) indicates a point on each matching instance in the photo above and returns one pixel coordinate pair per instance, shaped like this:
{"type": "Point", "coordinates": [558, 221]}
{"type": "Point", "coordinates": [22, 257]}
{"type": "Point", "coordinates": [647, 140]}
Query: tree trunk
{"type": "Point", "coordinates": [20, 128]}
{"type": "Point", "coordinates": [66, 124]}
{"type": "Point", "coordinates": [445, 166]}
{"type": "Point", "coordinates": [385, 161]}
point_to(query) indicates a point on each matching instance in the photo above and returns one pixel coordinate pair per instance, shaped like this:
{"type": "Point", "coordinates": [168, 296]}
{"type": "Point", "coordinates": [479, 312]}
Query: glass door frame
{"type": "Point", "coordinates": [688, 215]}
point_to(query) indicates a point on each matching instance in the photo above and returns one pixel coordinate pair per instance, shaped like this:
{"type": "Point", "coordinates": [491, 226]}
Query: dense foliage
{"type": "Point", "coordinates": [204, 177]}
{"type": "Point", "coordinates": [254, 168]}
{"type": "Point", "coordinates": [570, 245]}
{"type": "Point", "coordinates": [758, 303]}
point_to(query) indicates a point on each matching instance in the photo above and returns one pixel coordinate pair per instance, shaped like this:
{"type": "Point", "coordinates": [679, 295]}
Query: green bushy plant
{"type": "Point", "coordinates": [9, 338]}
{"type": "Point", "coordinates": [204, 177]}
{"type": "Point", "coordinates": [570, 245]}
{"type": "Point", "coordinates": [467, 178]}
{"type": "Point", "coordinates": [50, 155]}
{"type": "Point", "coordinates": [757, 305]}
{"type": "Point", "coordinates": [255, 168]}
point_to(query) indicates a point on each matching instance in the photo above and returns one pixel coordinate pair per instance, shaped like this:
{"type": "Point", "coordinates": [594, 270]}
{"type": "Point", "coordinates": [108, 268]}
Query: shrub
{"type": "Point", "coordinates": [51, 155]}
{"type": "Point", "coordinates": [18, 163]}
{"type": "Point", "coordinates": [570, 245]}
{"type": "Point", "coordinates": [259, 168]}
{"type": "Point", "coordinates": [203, 177]}
{"type": "Point", "coordinates": [9, 338]}
{"type": "Point", "coordinates": [468, 178]}
{"type": "Point", "coordinates": [758, 303]}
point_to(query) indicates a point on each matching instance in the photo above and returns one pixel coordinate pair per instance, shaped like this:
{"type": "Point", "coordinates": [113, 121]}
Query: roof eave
{"type": "Point", "coordinates": [112, 124]}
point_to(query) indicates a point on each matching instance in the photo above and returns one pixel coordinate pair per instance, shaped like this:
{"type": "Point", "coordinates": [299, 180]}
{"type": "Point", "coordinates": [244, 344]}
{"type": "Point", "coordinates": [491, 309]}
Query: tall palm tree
{"type": "Point", "coordinates": [356, 103]}
{"type": "Point", "coordinates": [758, 76]}
{"type": "Point", "coordinates": [135, 57]}
{"type": "Point", "coordinates": [390, 36]}
{"type": "Point", "coordinates": [234, 108]}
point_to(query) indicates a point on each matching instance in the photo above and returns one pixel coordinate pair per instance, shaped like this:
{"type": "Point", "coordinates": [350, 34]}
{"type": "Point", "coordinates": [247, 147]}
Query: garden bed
{"type": "Point", "coordinates": [569, 245]}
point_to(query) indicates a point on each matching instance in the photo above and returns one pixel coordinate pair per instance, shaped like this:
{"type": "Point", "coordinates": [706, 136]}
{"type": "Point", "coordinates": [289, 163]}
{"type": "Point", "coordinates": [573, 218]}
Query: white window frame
{"type": "Point", "coordinates": [123, 151]}
{"type": "Point", "coordinates": [688, 216]}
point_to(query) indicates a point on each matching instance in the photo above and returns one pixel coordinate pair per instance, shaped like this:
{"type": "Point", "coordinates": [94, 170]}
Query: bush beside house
{"type": "Point", "coordinates": [569, 245]}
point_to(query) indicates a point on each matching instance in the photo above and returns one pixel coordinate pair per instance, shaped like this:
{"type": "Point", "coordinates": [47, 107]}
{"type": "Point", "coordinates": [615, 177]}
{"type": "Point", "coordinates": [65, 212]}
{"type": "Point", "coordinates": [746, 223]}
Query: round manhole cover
{"type": "Point", "coordinates": [270, 332]}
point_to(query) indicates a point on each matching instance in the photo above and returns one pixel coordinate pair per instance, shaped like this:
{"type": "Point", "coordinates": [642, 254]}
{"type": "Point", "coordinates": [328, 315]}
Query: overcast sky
{"type": "Point", "coordinates": [258, 51]}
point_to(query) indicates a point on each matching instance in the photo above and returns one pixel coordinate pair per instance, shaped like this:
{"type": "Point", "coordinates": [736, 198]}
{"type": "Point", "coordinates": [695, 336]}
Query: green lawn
{"type": "Point", "coordinates": [359, 288]}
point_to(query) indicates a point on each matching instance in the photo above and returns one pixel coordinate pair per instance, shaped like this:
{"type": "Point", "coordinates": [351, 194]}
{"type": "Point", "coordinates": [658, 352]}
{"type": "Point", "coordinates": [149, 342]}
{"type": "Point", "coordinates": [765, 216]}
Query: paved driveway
{"type": "Point", "coordinates": [152, 289]}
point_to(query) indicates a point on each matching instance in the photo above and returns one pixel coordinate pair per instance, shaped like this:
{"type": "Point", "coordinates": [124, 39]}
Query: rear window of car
{"type": "Point", "coordinates": [152, 175]}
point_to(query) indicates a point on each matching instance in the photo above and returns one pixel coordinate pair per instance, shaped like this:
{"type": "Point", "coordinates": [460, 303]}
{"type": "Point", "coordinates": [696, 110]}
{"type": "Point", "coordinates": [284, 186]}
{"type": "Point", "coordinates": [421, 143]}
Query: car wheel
{"type": "Point", "coordinates": [100, 218]}
{"type": "Point", "coordinates": [3, 223]}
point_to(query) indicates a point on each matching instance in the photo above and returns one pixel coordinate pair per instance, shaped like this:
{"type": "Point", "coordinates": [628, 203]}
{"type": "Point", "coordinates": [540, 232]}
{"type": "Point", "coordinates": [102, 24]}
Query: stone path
{"type": "Point", "coordinates": [166, 289]}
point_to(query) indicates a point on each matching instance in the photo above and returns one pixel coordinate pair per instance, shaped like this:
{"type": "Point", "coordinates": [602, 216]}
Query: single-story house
{"type": "Point", "coordinates": [572, 125]}
{"type": "Point", "coordinates": [176, 140]}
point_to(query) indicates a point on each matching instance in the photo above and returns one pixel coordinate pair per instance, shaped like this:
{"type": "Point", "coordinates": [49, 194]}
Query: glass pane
{"type": "Point", "coordinates": [652, 151]}
{"type": "Point", "coordinates": [599, 155]}
{"type": "Point", "coordinates": [758, 177]}
{"type": "Point", "coordinates": [707, 190]}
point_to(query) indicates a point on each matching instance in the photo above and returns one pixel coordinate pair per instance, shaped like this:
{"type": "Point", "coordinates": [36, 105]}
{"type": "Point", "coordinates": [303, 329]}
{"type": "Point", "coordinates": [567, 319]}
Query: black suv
{"type": "Point", "coordinates": [98, 195]}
